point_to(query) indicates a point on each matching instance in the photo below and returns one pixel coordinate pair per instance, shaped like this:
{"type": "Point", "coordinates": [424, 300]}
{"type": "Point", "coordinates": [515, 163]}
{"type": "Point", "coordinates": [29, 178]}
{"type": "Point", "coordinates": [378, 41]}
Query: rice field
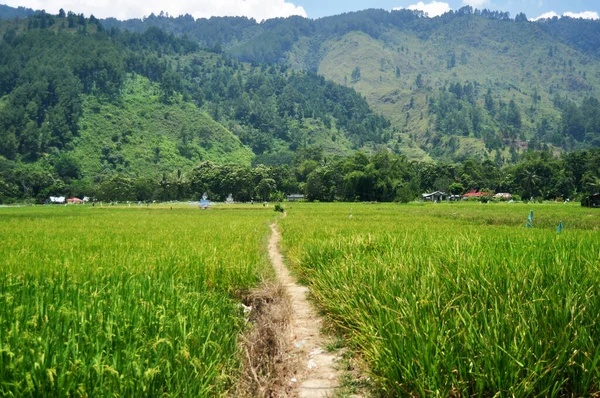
{"type": "Point", "coordinates": [439, 300]}
{"type": "Point", "coordinates": [458, 299]}
{"type": "Point", "coordinates": [125, 301]}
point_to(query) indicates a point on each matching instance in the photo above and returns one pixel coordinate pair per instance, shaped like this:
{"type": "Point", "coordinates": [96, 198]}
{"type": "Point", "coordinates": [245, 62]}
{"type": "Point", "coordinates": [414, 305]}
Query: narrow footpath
{"type": "Point", "coordinates": [316, 376]}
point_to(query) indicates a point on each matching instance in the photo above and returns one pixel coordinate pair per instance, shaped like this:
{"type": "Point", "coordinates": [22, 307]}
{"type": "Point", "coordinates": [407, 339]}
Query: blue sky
{"type": "Point", "coordinates": [532, 8]}
{"type": "Point", "coordinates": [264, 9]}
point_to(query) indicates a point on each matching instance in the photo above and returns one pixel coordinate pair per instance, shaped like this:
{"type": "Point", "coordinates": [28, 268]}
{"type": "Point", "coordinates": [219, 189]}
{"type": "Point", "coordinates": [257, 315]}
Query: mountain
{"type": "Point", "coordinates": [150, 103]}
{"type": "Point", "coordinates": [7, 12]}
{"type": "Point", "coordinates": [90, 109]}
{"type": "Point", "coordinates": [471, 83]}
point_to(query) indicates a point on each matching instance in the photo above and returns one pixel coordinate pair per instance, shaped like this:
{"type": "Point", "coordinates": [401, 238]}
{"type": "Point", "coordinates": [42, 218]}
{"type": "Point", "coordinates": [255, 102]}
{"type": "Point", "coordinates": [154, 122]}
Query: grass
{"type": "Point", "coordinates": [458, 299]}
{"type": "Point", "coordinates": [125, 301]}
{"type": "Point", "coordinates": [511, 59]}
{"type": "Point", "coordinates": [141, 135]}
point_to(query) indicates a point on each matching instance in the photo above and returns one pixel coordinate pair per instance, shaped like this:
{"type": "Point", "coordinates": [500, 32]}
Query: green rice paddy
{"type": "Point", "coordinates": [458, 299]}
{"type": "Point", "coordinates": [125, 301]}
{"type": "Point", "coordinates": [438, 300]}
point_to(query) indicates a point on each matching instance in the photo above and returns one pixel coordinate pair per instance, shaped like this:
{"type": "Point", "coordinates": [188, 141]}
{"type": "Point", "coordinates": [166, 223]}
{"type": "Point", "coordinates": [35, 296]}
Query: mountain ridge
{"type": "Point", "coordinates": [514, 58]}
{"type": "Point", "coordinates": [92, 110]}
{"type": "Point", "coordinates": [79, 102]}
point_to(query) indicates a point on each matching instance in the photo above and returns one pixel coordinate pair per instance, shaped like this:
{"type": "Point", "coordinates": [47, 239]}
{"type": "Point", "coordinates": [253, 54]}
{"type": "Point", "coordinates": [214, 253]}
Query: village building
{"type": "Point", "coordinates": [474, 194]}
{"type": "Point", "coordinates": [503, 196]}
{"type": "Point", "coordinates": [592, 201]}
{"type": "Point", "coordinates": [295, 197]}
{"type": "Point", "coordinates": [436, 196]}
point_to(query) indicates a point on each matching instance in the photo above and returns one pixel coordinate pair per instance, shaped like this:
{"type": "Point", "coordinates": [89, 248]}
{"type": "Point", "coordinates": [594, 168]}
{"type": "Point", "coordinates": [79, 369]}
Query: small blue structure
{"type": "Point", "coordinates": [530, 220]}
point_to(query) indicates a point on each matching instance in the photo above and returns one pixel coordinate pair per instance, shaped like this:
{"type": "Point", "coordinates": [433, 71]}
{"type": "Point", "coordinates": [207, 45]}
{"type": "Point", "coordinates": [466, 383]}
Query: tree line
{"type": "Point", "coordinates": [382, 177]}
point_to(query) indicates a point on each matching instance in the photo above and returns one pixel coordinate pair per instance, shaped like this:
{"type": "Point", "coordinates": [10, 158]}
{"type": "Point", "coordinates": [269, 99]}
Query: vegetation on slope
{"type": "Point", "coordinates": [143, 136]}
{"type": "Point", "coordinates": [7, 12]}
{"type": "Point", "coordinates": [400, 60]}
{"type": "Point", "coordinates": [79, 103]}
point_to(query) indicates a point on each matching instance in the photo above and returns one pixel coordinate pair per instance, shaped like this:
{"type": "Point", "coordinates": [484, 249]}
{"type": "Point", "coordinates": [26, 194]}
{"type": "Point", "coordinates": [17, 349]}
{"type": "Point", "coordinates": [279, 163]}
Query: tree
{"type": "Point", "coordinates": [117, 188]}
{"type": "Point", "coordinates": [521, 17]}
{"type": "Point", "coordinates": [489, 102]}
{"type": "Point", "coordinates": [513, 115]}
{"type": "Point", "coordinates": [592, 184]}
{"type": "Point", "coordinates": [530, 183]}
{"type": "Point", "coordinates": [419, 81]}
{"type": "Point", "coordinates": [144, 189]}
{"type": "Point", "coordinates": [265, 188]}
{"type": "Point", "coordinates": [314, 186]}
{"type": "Point", "coordinates": [451, 62]}
{"type": "Point", "coordinates": [456, 188]}
{"type": "Point", "coordinates": [355, 75]}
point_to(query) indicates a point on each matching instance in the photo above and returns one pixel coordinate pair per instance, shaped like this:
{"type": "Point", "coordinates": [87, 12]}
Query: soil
{"type": "Point", "coordinates": [315, 374]}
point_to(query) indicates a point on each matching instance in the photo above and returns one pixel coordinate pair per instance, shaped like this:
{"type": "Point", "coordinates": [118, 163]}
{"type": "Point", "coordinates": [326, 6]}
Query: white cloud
{"type": "Point", "coordinates": [476, 3]}
{"type": "Point", "coordinates": [124, 9]}
{"type": "Point", "coordinates": [433, 9]}
{"type": "Point", "coordinates": [584, 15]}
{"type": "Point", "coordinates": [546, 15]}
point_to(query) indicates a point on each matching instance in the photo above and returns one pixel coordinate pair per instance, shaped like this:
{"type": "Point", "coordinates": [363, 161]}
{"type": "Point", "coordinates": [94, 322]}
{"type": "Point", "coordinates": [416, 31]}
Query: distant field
{"type": "Point", "coordinates": [458, 299]}
{"type": "Point", "coordinates": [125, 301]}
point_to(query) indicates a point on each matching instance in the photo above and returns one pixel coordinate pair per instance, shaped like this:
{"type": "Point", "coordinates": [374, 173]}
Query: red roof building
{"type": "Point", "coordinates": [474, 194]}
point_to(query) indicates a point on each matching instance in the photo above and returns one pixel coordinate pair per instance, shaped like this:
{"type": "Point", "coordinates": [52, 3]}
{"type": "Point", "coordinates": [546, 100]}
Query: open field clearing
{"type": "Point", "coordinates": [458, 299]}
{"type": "Point", "coordinates": [125, 301]}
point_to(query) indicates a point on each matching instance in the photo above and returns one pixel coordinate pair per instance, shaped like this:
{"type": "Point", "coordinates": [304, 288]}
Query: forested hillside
{"type": "Point", "coordinates": [469, 83]}
{"type": "Point", "coordinates": [7, 12]}
{"type": "Point", "coordinates": [227, 105]}
{"type": "Point", "coordinates": [79, 103]}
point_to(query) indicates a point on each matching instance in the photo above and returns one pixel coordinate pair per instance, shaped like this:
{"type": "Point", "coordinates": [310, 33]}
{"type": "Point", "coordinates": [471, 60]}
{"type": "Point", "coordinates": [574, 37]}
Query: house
{"type": "Point", "coordinates": [74, 201]}
{"type": "Point", "coordinates": [57, 200]}
{"type": "Point", "coordinates": [474, 194]}
{"type": "Point", "coordinates": [592, 201]}
{"type": "Point", "coordinates": [436, 196]}
{"type": "Point", "coordinates": [503, 196]}
{"type": "Point", "coordinates": [295, 197]}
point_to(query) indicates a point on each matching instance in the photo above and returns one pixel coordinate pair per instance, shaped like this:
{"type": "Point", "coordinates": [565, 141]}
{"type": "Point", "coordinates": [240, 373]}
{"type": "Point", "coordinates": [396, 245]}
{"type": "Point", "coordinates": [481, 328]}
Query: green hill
{"type": "Point", "coordinates": [283, 106]}
{"type": "Point", "coordinates": [7, 12]}
{"type": "Point", "coordinates": [143, 136]}
{"type": "Point", "coordinates": [535, 76]}
{"type": "Point", "coordinates": [151, 103]}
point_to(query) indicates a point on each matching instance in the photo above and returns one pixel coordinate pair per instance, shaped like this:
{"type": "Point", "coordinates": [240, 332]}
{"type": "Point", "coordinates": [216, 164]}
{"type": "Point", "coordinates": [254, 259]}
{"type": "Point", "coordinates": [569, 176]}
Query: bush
{"type": "Point", "coordinates": [279, 208]}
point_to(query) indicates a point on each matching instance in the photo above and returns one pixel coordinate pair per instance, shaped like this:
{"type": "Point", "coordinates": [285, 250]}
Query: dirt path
{"type": "Point", "coordinates": [316, 376]}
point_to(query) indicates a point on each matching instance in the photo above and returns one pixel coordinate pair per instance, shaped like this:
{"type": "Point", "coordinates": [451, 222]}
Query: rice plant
{"type": "Point", "coordinates": [125, 301]}
{"type": "Point", "coordinates": [458, 299]}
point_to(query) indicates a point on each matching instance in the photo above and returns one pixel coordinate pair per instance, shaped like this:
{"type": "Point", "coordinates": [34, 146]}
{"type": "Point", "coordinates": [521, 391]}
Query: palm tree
{"type": "Point", "coordinates": [530, 182]}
